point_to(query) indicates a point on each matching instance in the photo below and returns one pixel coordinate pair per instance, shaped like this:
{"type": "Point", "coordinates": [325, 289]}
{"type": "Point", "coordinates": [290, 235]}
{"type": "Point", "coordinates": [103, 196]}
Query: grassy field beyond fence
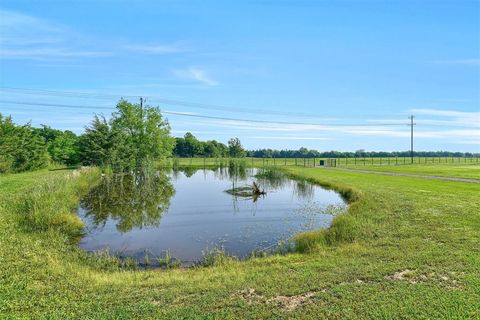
{"type": "Point", "coordinates": [333, 162]}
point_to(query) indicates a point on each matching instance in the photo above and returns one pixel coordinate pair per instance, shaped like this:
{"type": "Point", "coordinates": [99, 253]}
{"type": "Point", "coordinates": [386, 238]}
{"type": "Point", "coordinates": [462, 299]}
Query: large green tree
{"type": "Point", "coordinates": [133, 139]}
{"type": "Point", "coordinates": [142, 135]}
{"type": "Point", "coordinates": [21, 147]}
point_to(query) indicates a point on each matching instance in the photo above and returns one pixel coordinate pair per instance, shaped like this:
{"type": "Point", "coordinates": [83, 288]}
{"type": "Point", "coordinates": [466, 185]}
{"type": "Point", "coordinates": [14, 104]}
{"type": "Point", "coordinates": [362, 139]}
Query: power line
{"type": "Point", "coordinates": [73, 94]}
{"type": "Point", "coordinates": [184, 114]}
{"type": "Point", "coordinates": [201, 116]}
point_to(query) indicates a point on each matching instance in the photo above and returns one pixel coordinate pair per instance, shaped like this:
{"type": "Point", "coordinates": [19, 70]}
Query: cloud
{"type": "Point", "coordinates": [290, 138]}
{"type": "Point", "coordinates": [178, 112]}
{"type": "Point", "coordinates": [155, 48]}
{"type": "Point", "coordinates": [326, 132]}
{"type": "Point", "coordinates": [467, 62]}
{"type": "Point", "coordinates": [45, 53]}
{"type": "Point", "coordinates": [26, 37]}
{"type": "Point", "coordinates": [445, 113]}
{"type": "Point", "coordinates": [197, 74]}
{"type": "Point", "coordinates": [448, 117]}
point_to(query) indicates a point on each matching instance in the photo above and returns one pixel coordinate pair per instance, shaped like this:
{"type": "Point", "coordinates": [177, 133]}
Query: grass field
{"type": "Point", "coordinates": [469, 171]}
{"type": "Point", "coordinates": [340, 162]}
{"type": "Point", "coordinates": [407, 248]}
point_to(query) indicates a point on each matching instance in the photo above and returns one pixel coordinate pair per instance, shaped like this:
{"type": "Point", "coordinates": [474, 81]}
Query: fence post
{"type": "Point", "coordinates": [304, 163]}
{"type": "Point", "coordinates": [285, 161]}
{"type": "Point", "coordinates": [274, 161]}
{"type": "Point", "coordinates": [296, 161]}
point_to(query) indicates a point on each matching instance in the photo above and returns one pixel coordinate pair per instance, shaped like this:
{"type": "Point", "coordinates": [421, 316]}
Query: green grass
{"type": "Point", "coordinates": [340, 162]}
{"type": "Point", "coordinates": [407, 248]}
{"type": "Point", "coordinates": [471, 171]}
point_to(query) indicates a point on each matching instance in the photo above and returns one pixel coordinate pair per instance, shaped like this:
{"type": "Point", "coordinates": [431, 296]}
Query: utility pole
{"type": "Point", "coordinates": [411, 136]}
{"type": "Point", "coordinates": [141, 107]}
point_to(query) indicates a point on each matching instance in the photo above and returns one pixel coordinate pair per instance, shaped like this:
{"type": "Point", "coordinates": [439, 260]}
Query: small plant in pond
{"type": "Point", "coordinates": [259, 253]}
{"type": "Point", "coordinates": [129, 263]}
{"type": "Point", "coordinates": [103, 260]}
{"type": "Point", "coordinates": [284, 247]}
{"type": "Point", "coordinates": [146, 259]}
{"type": "Point", "coordinates": [215, 257]}
{"type": "Point", "coordinates": [168, 261]}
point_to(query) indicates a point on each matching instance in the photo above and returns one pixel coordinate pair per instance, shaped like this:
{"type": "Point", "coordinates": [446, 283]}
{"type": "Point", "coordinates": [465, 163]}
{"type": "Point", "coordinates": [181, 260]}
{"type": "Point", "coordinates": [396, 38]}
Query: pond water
{"type": "Point", "coordinates": [187, 213]}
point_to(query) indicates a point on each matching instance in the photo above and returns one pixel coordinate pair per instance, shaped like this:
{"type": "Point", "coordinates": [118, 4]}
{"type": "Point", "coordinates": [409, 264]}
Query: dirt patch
{"type": "Point", "coordinates": [411, 276]}
{"type": "Point", "coordinates": [405, 275]}
{"type": "Point", "coordinates": [285, 303]}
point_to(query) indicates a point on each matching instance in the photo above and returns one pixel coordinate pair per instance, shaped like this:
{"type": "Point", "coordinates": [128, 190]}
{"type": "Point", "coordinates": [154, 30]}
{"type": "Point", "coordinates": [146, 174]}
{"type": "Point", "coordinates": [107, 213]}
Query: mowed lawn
{"type": "Point", "coordinates": [469, 171]}
{"type": "Point", "coordinates": [406, 248]}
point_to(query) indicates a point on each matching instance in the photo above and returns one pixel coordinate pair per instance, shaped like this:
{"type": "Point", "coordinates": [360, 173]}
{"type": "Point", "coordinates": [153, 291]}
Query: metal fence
{"type": "Point", "coordinates": [327, 162]}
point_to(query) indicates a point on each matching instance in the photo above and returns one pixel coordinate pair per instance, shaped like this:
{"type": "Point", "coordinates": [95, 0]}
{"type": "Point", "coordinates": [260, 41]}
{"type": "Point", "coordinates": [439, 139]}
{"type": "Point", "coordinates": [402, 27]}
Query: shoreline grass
{"type": "Point", "coordinates": [406, 248]}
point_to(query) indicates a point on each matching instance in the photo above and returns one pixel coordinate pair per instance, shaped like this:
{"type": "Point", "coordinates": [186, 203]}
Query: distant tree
{"type": "Point", "coordinates": [214, 149]}
{"type": "Point", "coordinates": [193, 146]}
{"type": "Point", "coordinates": [62, 146]}
{"type": "Point", "coordinates": [235, 148]}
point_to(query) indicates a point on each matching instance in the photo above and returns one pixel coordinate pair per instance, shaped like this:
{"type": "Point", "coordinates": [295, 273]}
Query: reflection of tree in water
{"type": "Point", "coordinates": [272, 179]}
{"type": "Point", "coordinates": [135, 201]}
{"type": "Point", "coordinates": [304, 189]}
{"type": "Point", "coordinates": [275, 179]}
{"type": "Point", "coordinates": [189, 171]}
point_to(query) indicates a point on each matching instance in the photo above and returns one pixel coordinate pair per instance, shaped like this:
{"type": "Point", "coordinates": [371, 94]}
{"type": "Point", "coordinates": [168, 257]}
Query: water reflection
{"type": "Point", "coordinates": [134, 201]}
{"type": "Point", "coordinates": [185, 212]}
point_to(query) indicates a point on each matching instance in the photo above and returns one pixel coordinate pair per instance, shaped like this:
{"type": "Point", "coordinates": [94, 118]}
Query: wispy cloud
{"type": "Point", "coordinates": [46, 53]}
{"type": "Point", "coordinates": [27, 37]}
{"type": "Point", "coordinates": [452, 118]}
{"type": "Point", "coordinates": [156, 48]}
{"type": "Point", "coordinates": [467, 62]}
{"type": "Point", "coordinates": [325, 132]}
{"type": "Point", "coordinates": [290, 138]}
{"type": "Point", "coordinates": [197, 74]}
{"type": "Point", "coordinates": [446, 113]}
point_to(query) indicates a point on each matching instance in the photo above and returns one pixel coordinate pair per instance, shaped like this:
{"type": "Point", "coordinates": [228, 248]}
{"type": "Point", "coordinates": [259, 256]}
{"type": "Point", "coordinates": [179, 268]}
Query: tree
{"type": "Point", "coordinates": [193, 146]}
{"type": "Point", "coordinates": [62, 146]}
{"type": "Point", "coordinates": [21, 147]}
{"type": "Point", "coordinates": [97, 143]}
{"type": "Point", "coordinates": [141, 136]}
{"type": "Point", "coordinates": [214, 149]}
{"type": "Point", "coordinates": [235, 148]}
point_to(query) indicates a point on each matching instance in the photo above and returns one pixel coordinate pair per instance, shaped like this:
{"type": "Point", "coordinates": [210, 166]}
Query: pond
{"type": "Point", "coordinates": [184, 214]}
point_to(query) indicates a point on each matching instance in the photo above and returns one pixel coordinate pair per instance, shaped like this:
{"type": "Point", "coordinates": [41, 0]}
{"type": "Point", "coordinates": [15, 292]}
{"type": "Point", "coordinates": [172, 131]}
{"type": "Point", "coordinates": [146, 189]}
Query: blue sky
{"type": "Point", "coordinates": [328, 75]}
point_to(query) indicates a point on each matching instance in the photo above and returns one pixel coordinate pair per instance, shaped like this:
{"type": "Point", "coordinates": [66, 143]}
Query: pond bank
{"type": "Point", "coordinates": [405, 254]}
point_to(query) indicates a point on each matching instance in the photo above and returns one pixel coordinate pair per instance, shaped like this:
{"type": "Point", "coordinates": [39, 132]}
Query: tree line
{"type": "Point", "coordinates": [189, 146]}
{"type": "Point", "coordinates": [134, 137]}
{"type": "Point", "coordinates": [310, 153]}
